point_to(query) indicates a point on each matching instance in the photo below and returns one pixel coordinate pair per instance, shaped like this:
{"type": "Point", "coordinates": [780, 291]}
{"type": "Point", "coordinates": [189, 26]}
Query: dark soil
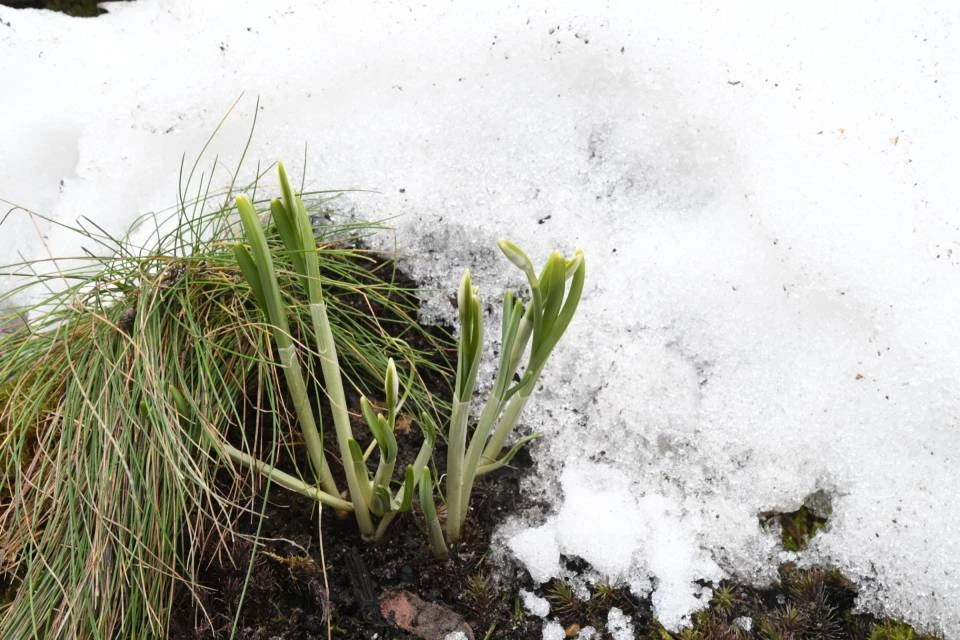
{"type": "Point", "coordinates": [286, 595]}
{"type": "Point", "coordinates": [76, 8]}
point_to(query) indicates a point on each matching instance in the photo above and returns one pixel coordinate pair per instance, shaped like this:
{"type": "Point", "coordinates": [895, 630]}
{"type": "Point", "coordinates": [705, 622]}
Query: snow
{"type": "Point", "coordinates": [764, 194]}
{"type": "Point", "coordinates": [534, 604]}
{"type": "Point", "coordinates": [553, 631]}
{"type": "Point", "coordinates": [619, 625]}
{"type": "Point", "coordinates": [626, 535]}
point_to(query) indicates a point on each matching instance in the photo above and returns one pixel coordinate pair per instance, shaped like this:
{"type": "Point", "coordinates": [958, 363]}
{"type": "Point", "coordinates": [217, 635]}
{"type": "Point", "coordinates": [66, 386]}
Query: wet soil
{"type": "Point", "coordinates": [288, 596]}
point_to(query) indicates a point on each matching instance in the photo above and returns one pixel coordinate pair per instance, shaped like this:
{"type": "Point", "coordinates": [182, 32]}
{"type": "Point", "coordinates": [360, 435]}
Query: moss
{"type": "Point", "coordinates": [563, 601]}
{"type": "Point", "coordinates": [804, 604]}
{"type": "Point", "coordinates": [890, 630]}
{"type": "Point", "coordinates": [797, 528]}
{"type": "Point", "coordinates": [724, 598]}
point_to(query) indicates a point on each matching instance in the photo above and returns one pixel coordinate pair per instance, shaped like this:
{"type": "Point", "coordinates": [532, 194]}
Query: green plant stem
{"type": "Point", "coordinates": [286, 480]}
{"type": "Point", "coordinates": [333, 383]}
{"type": "Point", "coordinates": [488, 416]}
{"type": "Point", "coordinates": [434, 532]}
{"type": "Point", "coordinates": [507, 422]}
{"type": "Point", "coordinates": [456, 445]}
{"type": "Point", "coordinates": [419, 465]}
{"type": "Point", "coordinates": [293, 222]}
{"type": "Point", "coordinates": [468, 362]}
{"type": "Point", "coordinates": [263, 280]}
{"type": "Point", "coordinates": [308, 427]}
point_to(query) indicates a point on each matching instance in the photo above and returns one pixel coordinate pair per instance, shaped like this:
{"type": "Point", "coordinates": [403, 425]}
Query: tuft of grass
{"type": "Point", "coordinates": [108, 495]}
{"type": "Point", "coordinates": [724, 598]}
{"type": "Point", "coordinates": [480, 592]}
{"type": "Point", "coordinates": [564, 602]}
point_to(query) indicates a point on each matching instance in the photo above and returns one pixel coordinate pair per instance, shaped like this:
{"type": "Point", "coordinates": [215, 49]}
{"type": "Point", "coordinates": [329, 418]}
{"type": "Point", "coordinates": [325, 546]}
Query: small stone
{"type": "Point", "coordinates": [411, 613]}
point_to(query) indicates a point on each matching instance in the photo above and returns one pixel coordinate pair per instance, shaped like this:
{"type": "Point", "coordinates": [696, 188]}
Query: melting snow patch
{"type": "Point", "coordinates": [619, 625]}
{"type": "Point", "coordinates": [605, 520]}
{"type": "Point", "coordinates": [534, 604]}
{"type": "Point", "coordinates": [744, 622]}
{"type": "Point", "coordinates": [553, 631]}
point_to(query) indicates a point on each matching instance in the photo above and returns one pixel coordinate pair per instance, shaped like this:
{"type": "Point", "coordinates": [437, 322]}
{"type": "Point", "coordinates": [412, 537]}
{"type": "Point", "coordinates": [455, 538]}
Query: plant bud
{"type": "Point", "coordinates": [391, 385]}
{"type": "Point", "coordinates": [574, 263]}
{"type": "Point", "coordinates": [516, 255]}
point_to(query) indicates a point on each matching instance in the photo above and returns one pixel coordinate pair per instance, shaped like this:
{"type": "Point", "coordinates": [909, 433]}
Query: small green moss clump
{"type": "Point", "coordinates": [804, 604]}
{"type": "Point", "coordinates": [797, 528]}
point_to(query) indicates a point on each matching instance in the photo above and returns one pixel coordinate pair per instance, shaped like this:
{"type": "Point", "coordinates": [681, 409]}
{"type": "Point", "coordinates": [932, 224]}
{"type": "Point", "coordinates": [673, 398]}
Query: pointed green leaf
{"type": "Point", "coordinates": [516, 255]}
{"type": "Point", "coordinates": [252, 275]}
{"type": "Point", "coordinates": [391, 387]}
{"type": "Point", "coordinates": [434, 532]}
{"type": "Point", "coordinates": [553, 283]}
{"type": "Point", "coordinates": [369, 414]}
{"type": "Point", "coordinates": [387, 442]}
{"type": "Point", "coordinates": [406, 492]}
{"type": "Point", "coordinates": [289, 199]}
{"type": "Point", "coordinates": [382, 502]}
{"type": "Point", "coordinates": [288, 233]}
{"type": "Point", "coordinates": [264, 264]}
{"type": "Point", "coordinates": [509, 455]}
{"type": "Point", "coordinates": [573, 263]}
{"type": "Point", "coordinates": [356, 458]}
{"type": "Point", "coordinates": [464, 294]}
{"type": "Point", "coordinates": [564, 316]}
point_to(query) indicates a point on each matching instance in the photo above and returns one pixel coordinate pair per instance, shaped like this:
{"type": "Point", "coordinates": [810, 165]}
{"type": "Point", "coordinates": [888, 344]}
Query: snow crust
{"type": "Point", "coordinates": [553, 631]}
{"type": "Point", "coordinates": [534, 604]}
{"type": "Point", "coordinates": [628, 535]}
{"type": "Point", "coordinates": [619, 625]}
{"type": "Point", "coordinates": [765, 195]}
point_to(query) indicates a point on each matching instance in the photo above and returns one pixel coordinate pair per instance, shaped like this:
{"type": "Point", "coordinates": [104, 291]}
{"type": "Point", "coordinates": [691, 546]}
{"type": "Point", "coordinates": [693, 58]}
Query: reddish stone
{"type": "Point", "coordinates": [413, 614]}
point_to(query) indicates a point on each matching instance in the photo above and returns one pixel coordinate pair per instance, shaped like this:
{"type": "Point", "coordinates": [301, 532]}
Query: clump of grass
{"type": "Point", "coordinates": [564, 603]}
{"type": "Point", "coordinates": [724, 598]}
{"type": "Point", "coordinates": [106, 493]}
{"type": "Point", "coordinates": [480, 592]}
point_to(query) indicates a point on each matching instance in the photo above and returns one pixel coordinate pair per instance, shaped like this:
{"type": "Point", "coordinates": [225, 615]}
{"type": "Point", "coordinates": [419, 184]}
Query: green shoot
{"type": "Point", "coordinates": [539, 325]}
{"type": "Point", "coordinates": [258, 270]}
{"type": "Point", "coordinates": [371, 499]}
